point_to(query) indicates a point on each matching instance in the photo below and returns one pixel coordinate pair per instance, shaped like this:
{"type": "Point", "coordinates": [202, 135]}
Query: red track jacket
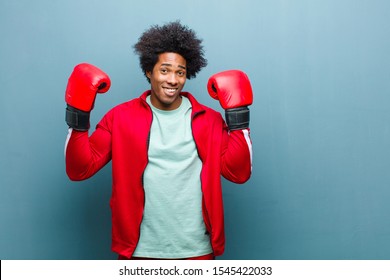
{"type": "Point", "coordinates": [123, 137]}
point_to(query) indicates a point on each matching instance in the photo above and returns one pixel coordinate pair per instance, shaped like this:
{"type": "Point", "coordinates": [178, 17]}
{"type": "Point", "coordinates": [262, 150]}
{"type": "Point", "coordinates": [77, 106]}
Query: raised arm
{"type": "Point", "coordinates": [85, 155]}
{"type": "Point", "coordinates": [233, 90]}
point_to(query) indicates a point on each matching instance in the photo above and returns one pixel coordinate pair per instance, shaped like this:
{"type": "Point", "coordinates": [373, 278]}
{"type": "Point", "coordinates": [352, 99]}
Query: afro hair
{"type": "Point", "coordinates": [171, 37]}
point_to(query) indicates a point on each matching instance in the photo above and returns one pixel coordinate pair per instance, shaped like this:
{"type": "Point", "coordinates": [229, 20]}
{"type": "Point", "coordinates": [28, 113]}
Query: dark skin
{"type": "Point", "coordinates": [167, 80]}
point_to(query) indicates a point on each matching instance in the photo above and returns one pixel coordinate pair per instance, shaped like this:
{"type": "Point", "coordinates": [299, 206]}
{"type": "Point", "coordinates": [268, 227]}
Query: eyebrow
{"type": "Point", "coordinates": [170, 65]}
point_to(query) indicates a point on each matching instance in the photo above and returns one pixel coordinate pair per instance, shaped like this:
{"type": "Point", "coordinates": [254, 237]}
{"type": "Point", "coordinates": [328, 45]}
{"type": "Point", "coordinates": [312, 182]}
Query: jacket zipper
{"type": "Point", "coordinates": [143, 174]}
{"type": "Point", "coordinates": [207, 223]}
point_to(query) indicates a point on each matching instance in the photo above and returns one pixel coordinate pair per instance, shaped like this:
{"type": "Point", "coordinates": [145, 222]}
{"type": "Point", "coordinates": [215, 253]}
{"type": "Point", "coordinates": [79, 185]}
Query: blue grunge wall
{"type": "Point", "coordinates": [320, 122]}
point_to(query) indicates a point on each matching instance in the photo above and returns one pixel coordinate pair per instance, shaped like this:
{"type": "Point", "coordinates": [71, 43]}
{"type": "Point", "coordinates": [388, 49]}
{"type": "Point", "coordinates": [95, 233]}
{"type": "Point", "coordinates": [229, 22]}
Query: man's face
{"type": "Point", "coordinates": [167, 80]}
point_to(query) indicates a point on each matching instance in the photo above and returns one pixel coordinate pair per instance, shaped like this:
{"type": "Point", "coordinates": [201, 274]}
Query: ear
{"type": "Point", "coordinates": [148, 74]}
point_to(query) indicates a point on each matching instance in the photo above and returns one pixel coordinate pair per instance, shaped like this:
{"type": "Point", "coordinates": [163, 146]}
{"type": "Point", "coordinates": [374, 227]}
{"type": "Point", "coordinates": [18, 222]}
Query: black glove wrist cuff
{"type": "Point", "coordinates": [77, 119]}
{"type": "Point", "coordinates": [237, 118]}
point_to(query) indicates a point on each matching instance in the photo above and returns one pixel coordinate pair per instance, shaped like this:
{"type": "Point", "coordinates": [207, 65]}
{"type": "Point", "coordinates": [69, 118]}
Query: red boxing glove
{"type": "Point", "coordinates": [233, 90]}
{"type": "Point", "coordinates": [84, 83]}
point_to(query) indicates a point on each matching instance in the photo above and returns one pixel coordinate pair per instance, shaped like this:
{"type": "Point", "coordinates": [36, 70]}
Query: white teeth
{"type": "Point", "coordinates": [170, 90]}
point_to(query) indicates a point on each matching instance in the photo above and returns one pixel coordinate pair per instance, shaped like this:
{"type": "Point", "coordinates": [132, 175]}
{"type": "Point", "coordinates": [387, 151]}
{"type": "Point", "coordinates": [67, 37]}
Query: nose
{"type": "Point", "coordinates": [172, 79]}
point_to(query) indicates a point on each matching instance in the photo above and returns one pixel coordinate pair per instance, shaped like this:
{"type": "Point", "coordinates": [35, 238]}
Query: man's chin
{"type": "Point", "coordinates": [171, 103]}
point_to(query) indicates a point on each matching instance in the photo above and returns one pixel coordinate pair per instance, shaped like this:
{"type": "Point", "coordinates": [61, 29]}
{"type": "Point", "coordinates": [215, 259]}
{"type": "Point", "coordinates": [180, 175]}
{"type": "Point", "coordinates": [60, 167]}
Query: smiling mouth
{"type": "Point", "coordinates": [170, 91]}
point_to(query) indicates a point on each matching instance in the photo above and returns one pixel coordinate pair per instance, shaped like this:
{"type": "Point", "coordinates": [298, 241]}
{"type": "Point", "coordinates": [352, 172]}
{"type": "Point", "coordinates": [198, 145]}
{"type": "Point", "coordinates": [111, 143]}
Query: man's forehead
{"type": "Point", "coordinates": [173, 65]}
{"type": "Point", "coordinates": [172, 60]}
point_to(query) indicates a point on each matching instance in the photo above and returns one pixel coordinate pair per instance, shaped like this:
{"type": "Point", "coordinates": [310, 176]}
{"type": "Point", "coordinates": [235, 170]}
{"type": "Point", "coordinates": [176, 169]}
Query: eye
{"type": "Point", "coordinates": [181, 73]}
{"type": "Point", "coordinates": [163, 70]}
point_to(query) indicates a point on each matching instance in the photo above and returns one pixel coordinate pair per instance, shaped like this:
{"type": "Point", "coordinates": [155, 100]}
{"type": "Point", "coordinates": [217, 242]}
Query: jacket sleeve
{"type": "Point", "coordinates": [84, 155]}
{"type": "Point", "coordinates": [236, 162]}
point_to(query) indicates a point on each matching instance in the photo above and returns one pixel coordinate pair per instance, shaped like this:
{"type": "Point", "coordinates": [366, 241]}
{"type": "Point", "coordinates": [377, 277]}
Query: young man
{"type": "Point", "coordinates": [168, 151]}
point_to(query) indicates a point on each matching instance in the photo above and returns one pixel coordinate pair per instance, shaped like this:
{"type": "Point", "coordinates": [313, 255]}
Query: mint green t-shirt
{"type": "Point", "coordinates": [172, 225]}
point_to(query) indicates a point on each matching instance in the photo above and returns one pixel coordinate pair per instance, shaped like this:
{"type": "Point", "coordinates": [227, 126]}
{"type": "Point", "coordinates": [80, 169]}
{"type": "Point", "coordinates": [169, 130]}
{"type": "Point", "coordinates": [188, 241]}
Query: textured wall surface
{"type": "Point", "coordinates": [320, 128]}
